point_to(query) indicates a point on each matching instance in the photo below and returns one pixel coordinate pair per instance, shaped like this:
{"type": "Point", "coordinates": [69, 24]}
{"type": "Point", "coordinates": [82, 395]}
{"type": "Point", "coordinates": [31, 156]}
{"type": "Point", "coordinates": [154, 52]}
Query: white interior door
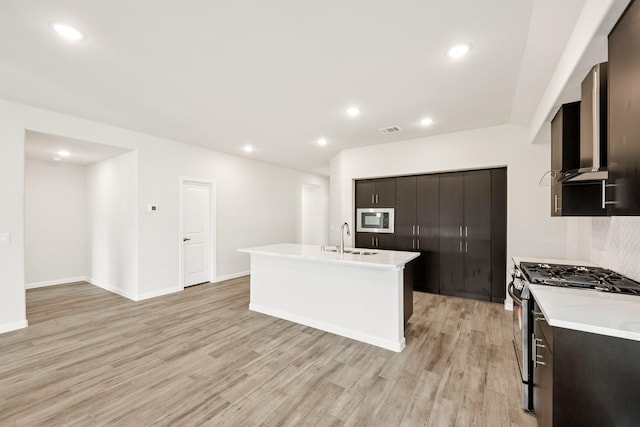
{"type": "Point", "coordinates": [196, 232]}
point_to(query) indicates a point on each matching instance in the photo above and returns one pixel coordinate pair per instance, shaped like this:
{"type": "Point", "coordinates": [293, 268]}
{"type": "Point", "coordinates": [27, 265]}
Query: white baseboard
{"type": "Point", "coordinates": [231, 276]}
{"type": "Point", "coordinates": [110, 288]}
{"type": "Point", "coordinates": [55, 282]}
{"type": "Point", "coordinates": [8, 327]}
{"type": "Point", "coordinates": [334, 329]}
{"type": "Point", "coordinates": [105, 286]}
{"type": "Point", "coordinates": [157, 293]}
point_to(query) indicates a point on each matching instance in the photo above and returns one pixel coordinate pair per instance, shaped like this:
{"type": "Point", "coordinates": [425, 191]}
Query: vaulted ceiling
{"type": "Point", "coordinates": [280, 75]}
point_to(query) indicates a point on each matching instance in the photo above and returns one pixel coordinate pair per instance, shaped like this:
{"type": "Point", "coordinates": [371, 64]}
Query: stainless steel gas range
{"type": "Point", "coordinates": [590, 278]}
{"type": "Point", "coordinates": [522, 333]}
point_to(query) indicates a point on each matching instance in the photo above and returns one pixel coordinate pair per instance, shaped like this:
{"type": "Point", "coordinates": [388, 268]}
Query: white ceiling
{"type": "Point", "coordinates": [41, 146]}
{"type": "Point", "coordinates": [279, 75]}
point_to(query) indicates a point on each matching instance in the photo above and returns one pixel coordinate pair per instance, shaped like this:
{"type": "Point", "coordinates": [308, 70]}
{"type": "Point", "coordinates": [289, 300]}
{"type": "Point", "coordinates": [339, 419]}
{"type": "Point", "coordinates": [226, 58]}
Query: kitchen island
{"type": "Point", "coordinates": [358, 295]}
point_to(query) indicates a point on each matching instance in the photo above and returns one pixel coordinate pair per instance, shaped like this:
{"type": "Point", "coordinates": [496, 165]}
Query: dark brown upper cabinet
{"type": "Point", "coordinates": [376, 193]}
{"type": "Point", "coordinates": [565, 150]}
{"type": "Point", "coordinates": [623, 195]}
{"type": "Point", "coordinates": [565, 138]}
{"type": "Point", "coordinates": [574, 198]}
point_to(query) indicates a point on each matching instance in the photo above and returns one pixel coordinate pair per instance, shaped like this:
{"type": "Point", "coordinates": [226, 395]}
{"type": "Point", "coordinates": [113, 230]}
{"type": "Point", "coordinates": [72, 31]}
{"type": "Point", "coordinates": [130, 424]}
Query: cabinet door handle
{"type": "Point", "coordinates": [460, 231]}
{"type": "Point", "coordinates": [418, 230]}
{"type": "Point", "coordinates": [418, 244]}
{"type": "Point", "coordinates": [460, 245]}
{"type": "Point", "coordinates": [413, 243]}
{"type": "Point", "coordinates": [604, 200]}
{"type": "Point", "coordinates": [373, 199]}
{"type": "Point", "coordinates": [372, 244]}
{"type": "Point", "coordinates": [377, 199]}
{"type": "Point", "coordinates": [555, 203]}
{"type": "Point", "coordinates": [376, 242]}
{"type": "Point", "coordinates": [466, 231]}
{"type": "Point", "coordinates": [413, 230]}
{"type": "Point", "coordinates": [465, 247]}
{"type": "Point", "coordinates": [534, 352]}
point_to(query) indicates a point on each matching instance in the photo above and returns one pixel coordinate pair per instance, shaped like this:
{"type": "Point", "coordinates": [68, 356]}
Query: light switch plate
{"type": "Point", "coordinates": [5, 238]}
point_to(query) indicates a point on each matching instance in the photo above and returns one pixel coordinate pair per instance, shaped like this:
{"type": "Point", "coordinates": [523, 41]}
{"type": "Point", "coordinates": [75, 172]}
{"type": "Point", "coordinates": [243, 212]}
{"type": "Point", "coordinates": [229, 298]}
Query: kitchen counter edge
{"type": "Point", "coordinates": [382, 259]}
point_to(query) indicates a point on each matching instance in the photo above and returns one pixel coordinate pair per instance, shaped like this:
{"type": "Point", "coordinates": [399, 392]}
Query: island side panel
{"type": "Point", "coordinates": [357, 302]}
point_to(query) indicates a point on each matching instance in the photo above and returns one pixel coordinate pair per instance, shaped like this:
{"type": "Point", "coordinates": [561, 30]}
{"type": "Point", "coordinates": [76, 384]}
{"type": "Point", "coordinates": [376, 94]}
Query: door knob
{"type": "Point", "coordinates": [185, 239]}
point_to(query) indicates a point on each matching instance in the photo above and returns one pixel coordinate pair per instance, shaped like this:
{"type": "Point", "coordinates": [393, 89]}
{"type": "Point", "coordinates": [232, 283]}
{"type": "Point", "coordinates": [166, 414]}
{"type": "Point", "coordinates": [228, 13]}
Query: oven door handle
{"type": "Point", "coordinates": [513, 296]}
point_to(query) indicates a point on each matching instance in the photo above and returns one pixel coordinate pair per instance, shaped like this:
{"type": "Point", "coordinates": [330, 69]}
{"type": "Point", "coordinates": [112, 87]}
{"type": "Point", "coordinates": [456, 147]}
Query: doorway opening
{"type": "Point", "coordinates": [78, 213]}
{"type": "Point", "coordinates": [313, 215]}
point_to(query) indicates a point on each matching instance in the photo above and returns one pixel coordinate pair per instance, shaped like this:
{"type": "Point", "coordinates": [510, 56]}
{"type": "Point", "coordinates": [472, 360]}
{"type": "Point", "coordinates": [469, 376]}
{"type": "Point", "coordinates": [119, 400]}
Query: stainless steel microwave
{"type": "Point", "coordinates": [375, 220]}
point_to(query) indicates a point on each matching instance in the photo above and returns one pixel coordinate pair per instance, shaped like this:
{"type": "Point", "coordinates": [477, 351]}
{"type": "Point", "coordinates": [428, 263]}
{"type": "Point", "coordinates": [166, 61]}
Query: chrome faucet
{"type": "Point", "coordinates": [341, 247]}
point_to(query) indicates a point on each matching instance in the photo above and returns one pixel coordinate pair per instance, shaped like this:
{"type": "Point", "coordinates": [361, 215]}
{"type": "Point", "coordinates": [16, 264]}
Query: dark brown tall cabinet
{"type": "Point", "coordinates": [457, 221]}
{"type": "Point", "coordinates": [472, 236]}
{"type": "Point", "coordinates": [417, 226]}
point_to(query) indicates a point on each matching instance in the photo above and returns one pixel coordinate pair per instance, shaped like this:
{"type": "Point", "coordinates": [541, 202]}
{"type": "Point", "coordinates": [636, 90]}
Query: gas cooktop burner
{"type": "Point", "coordinates": [577, 276]}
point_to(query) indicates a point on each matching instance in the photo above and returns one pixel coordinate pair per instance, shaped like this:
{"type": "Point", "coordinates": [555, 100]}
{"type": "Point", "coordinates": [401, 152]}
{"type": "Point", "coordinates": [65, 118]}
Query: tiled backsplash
{"type": "Point", "coordinates": [615, 244]}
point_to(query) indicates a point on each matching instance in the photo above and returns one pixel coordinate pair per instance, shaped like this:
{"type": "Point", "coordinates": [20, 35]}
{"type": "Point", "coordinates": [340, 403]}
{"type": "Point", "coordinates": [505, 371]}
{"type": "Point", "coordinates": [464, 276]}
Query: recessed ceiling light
{"type": "Point", "coordinates": [353, 111]}
{"type": "Point", "coordinates": [248, 149]}
{"type": "Point", "coordinates": [459, 51]}
{"type": "Point", "coordinates": [64, 153]}
{"type": "Point", "coordinates": [57, 158]}
{"type": "Point", "coordinates": [67, 31]}
{"type": "Point", "coordinates": [322, 141]}
{"type": "Point", "coordinates": [427, 121]}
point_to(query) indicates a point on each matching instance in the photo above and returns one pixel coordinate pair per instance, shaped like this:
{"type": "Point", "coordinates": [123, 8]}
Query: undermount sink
{"type": "Point", "coordinates": [353, 251]}
{"type": "Point", "coordinates": [360, 252]}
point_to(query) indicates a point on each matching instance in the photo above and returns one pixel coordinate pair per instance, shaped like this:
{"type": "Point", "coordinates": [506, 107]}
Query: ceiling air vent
{"type": "Point", "coordinates": [391, 129]}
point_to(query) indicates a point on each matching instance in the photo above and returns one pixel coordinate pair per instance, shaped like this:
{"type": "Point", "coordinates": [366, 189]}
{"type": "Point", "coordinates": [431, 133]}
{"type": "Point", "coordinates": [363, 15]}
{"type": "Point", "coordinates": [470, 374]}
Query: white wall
{"type": "Point", "coordinates": [530, 229]}
{"type": "Point", "coordinates": [54, 222]}
{"type": "Point", "coordinates": [112, 222]}
{"type": "Point", "coordinates": [258, 203]}
{"type": "Point", "coordinates": [616, 244]}
{"type": "Point", "coordinates": [12, 294]}
{"type": "Point", "coordinates": [314, 214]}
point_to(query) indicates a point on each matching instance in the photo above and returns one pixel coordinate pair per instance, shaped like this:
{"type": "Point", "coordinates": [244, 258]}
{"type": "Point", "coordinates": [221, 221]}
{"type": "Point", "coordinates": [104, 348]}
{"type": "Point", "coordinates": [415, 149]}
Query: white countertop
{"type": "Point", "coordinates": [587, 310]}
{"type": "Point", "coordinates": [590, 311]}
{"type": "Point", "coordinates": [381, 259]}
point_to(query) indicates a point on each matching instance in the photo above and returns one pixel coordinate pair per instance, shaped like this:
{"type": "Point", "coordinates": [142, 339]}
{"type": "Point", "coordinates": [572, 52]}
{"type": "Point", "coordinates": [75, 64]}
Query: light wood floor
{"type": "Point", "coordinates": [200, 357]}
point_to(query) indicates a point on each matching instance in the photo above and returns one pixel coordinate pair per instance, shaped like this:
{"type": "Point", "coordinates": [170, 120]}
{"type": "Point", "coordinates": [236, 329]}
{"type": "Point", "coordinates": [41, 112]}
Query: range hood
{"type": "Point", "coordinates": [593, 129]}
